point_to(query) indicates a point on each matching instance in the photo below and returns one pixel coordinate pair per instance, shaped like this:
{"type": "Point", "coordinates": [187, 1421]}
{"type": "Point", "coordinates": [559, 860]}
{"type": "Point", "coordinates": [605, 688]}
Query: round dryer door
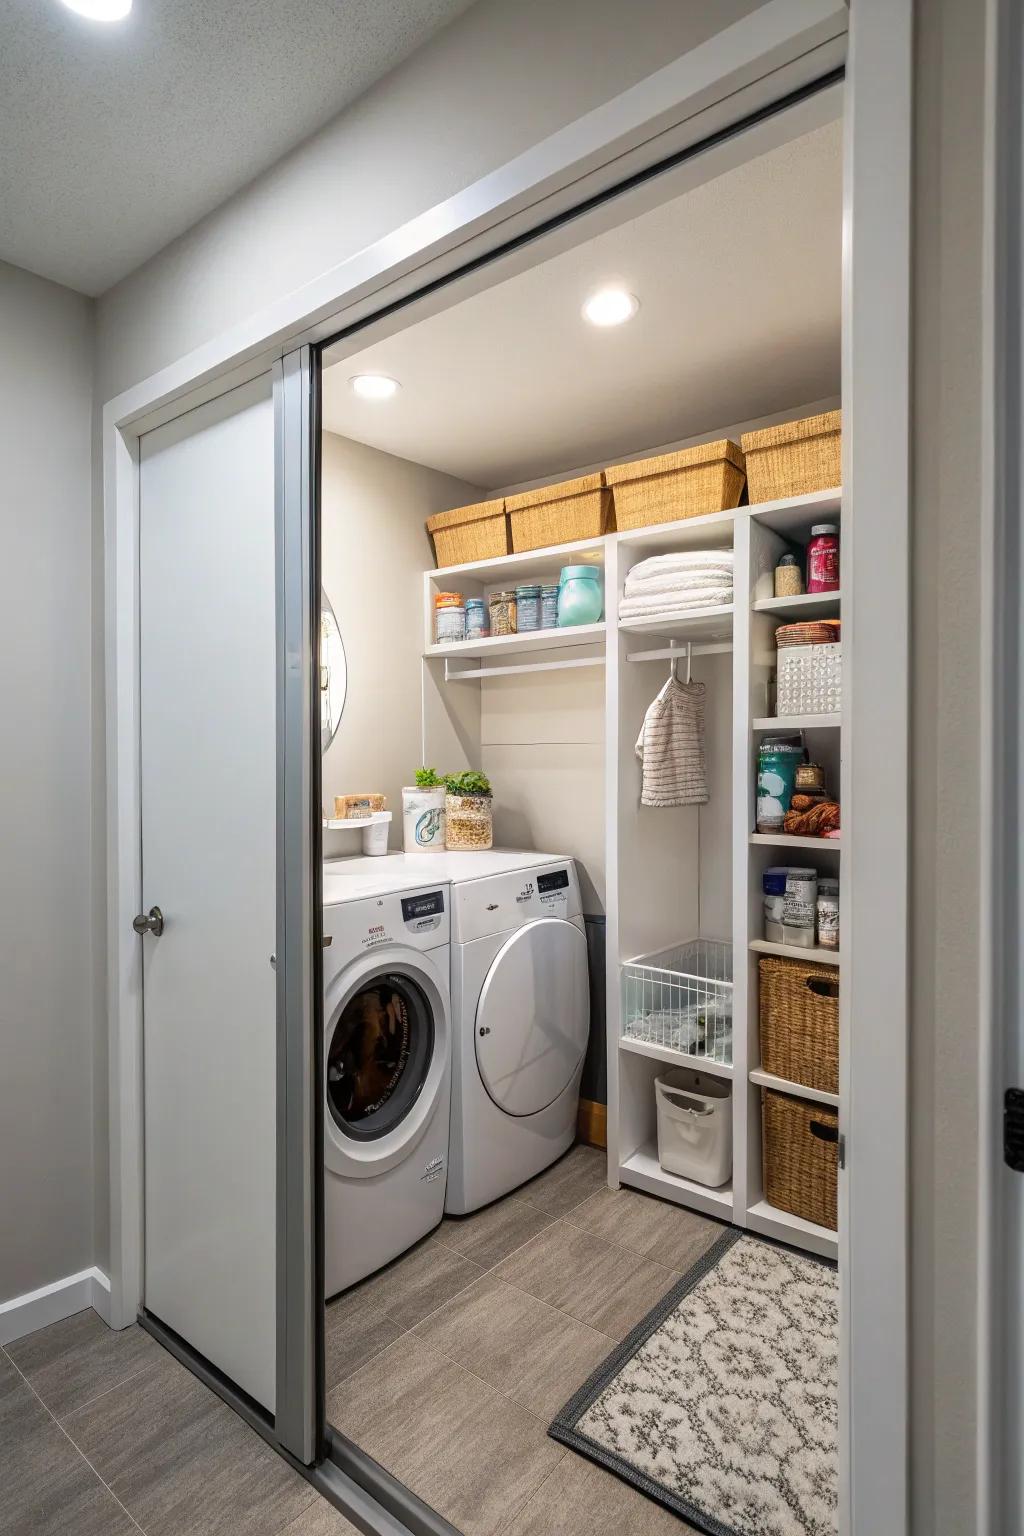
{"type": "Point", "coordinates": [533, 1017]}
{"type": "Point", "coordinates": [378, 1055]}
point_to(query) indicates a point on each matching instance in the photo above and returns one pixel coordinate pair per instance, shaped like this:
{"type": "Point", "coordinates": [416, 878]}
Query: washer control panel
{"type": "Point", "coordinates": [423, 913]}
{"type": "Point", "coordinates": [416, 919]}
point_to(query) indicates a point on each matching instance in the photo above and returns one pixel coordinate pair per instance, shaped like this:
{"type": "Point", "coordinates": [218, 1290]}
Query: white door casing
{"type": "Point", "coordinates": [208, 777]}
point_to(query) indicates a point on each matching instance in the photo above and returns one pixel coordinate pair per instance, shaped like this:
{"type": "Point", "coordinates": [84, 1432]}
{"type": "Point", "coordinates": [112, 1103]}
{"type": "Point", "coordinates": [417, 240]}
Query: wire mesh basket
{"type": "Point", "coordinates": [681, 999]}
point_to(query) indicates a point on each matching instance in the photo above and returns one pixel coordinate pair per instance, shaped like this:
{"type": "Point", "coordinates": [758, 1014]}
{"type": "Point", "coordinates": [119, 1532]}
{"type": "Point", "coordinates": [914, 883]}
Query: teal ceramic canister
{"type": "Point", "coordinates": [580, 598]}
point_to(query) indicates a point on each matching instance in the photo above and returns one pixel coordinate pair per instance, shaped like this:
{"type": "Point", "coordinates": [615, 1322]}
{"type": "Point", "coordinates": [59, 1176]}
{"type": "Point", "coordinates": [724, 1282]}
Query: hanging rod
{"type": "Point", "coordinates": [671, 652]}
{"type": "Point", "coordinates": [478, 674]}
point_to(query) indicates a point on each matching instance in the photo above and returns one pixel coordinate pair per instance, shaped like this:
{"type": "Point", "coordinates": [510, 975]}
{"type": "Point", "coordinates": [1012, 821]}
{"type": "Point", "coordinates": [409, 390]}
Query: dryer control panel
{"type": "Point", "coordinates": [502, 902]}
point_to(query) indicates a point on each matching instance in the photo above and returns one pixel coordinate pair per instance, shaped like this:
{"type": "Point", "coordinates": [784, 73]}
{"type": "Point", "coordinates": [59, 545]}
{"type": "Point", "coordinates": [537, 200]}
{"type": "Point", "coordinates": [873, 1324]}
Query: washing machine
{"type": "Point", "coordinates": [388, 1054]}
{"type": "Point", "coordinates": [521, 1009]}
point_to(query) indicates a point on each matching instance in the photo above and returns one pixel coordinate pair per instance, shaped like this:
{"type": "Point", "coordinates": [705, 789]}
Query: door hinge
{"type": "Point", "coordinates": [1013, 1129]}
{"type": "Point", "coordinates": [842, 1150]}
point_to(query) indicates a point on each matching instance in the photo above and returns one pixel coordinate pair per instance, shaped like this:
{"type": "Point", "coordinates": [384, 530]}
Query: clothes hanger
{"type": "Point", "coordinates": [673, 674]}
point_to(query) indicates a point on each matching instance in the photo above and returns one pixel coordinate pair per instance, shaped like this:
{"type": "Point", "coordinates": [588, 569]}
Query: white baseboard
{"type": "Point", "coordinates": [52, 1303]}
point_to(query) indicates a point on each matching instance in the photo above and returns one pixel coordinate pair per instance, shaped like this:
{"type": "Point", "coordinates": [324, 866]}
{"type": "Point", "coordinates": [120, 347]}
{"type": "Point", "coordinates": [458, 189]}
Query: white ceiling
{"type": "Point", "coordinates": [115, 139]}
{"type": "Point", "coordinates": [739, 283]}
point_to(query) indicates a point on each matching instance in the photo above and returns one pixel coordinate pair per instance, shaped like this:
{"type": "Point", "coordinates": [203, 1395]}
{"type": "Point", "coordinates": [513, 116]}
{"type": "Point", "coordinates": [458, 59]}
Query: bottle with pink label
{"type": "Point", "coordinates": [823, 558]}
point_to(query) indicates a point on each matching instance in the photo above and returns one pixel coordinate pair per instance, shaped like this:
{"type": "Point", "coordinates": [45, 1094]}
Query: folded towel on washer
{"type": "Point", "coordinates": [660, 603]}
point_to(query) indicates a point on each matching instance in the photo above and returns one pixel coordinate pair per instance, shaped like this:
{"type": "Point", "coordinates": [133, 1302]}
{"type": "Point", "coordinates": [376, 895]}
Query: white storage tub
{"type": "Point", "coordinates": [694, 1126]}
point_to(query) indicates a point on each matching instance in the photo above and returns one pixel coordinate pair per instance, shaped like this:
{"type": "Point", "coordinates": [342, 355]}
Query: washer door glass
{"type": "Point", "coordinates": [379, 1056]}
{"type": "Point", "coordinates": [533, 1017]}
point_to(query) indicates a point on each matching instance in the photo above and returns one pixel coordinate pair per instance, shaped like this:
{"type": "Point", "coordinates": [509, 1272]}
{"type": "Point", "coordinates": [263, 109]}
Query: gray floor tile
{"type": "Point", "coordinates": [526, 1349]}
{"type": "Point", "coordinates": [449, 1436]}
{"type": "Point", "coordinates": [46, 1488]}
{"type": "Point", "coordinates": [73, 1361]}
{"type": "Point", "coordinates": [357, 1328]}
{"type": "Point", "coordinates": [320, 1519]}
{"type": "Point", "coordinates": [567, 1183]}
{"type": "Point", "coordinates": [490, 1235]}
{"type": "Point", "coordinates": [419, 1282]}
{"type": "Point", "coordinates": [606, 1287]}
{"type": "Point", "coordinates": [582, 1499]}
{"type": "Point", "coordinates": [657, 1230]}
{"type": "Point", "coordinates": [182, 1462]}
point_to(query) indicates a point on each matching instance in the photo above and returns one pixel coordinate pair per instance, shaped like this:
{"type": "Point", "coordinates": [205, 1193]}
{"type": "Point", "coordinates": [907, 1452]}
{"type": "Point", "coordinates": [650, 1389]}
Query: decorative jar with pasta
{"type": "Point", "coordinates": [468, 812]}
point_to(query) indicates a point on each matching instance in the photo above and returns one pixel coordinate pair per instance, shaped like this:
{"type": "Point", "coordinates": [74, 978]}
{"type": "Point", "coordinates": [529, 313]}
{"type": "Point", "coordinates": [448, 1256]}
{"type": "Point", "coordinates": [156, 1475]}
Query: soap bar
{"type": "Point", "coordinates": [349, 807]}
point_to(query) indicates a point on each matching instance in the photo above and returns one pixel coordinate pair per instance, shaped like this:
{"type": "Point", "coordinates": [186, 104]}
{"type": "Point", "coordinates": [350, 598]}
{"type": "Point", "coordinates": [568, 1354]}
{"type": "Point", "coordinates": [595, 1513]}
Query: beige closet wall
{"type": "Point", "coordinates": [375, 549]}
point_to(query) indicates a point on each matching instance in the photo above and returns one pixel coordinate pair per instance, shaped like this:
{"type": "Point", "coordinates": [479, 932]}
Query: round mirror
{"type": "Point", "coordinates": [333, 673]}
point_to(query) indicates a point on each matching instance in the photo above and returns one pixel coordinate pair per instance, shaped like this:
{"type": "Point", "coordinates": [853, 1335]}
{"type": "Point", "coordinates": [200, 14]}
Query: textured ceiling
{"type": "Point", "coordinates": [740, 286]}
{"type": "Point", "coordinates": [115, 139]}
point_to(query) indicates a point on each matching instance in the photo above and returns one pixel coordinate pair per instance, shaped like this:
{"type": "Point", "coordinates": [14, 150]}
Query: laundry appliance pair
{"type": "Point", "coordinates": [456, 1018]}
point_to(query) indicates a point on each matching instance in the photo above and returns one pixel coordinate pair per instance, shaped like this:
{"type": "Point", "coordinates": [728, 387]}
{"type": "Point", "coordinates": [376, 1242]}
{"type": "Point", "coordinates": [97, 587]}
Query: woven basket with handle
{"type": "Point", "coordinates": [801, 1157]}
{"type": "Point", "coordinates": [794, 458]}
{"type": "Point", "coordinates": [690, 483]}
{"type": "Point", "coordinates": [799, 1022]}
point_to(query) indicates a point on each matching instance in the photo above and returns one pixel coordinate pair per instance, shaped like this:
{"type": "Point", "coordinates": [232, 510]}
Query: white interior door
{"type": "Point", "coordinates": [208, 752]}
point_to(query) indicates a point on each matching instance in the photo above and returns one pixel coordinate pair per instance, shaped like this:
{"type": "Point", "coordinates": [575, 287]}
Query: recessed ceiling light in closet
{"type": "Point", "coordinates": [610, 306]}
{"type": "Point", "coordinates": [100, 10]}
{"type": "Point", "coordinates": [374, 386]}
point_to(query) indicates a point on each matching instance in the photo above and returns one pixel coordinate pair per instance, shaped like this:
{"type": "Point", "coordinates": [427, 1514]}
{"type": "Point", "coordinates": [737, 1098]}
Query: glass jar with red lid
{"type": "Point", "coordinates": [823, 558]}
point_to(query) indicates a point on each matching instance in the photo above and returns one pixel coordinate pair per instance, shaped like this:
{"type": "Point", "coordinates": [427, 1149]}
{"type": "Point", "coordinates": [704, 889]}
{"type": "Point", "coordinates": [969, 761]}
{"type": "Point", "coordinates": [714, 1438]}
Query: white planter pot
{"type": "Point", "coordinates": [423, 819]}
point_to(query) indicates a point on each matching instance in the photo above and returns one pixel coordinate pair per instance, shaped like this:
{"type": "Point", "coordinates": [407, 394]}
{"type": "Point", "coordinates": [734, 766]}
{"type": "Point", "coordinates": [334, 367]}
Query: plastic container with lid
{"type": "Point", "coordinates": [450, 623]}
{"type": "Point", "coordinates": [788, 581]}
{"type": "Point", "coordinates": [823, 558]}
{"type": "Point", "coordinates": [528, 599]}
{"type": "Point", "coordinates": [580, 599]}
{"type": "Point", "coordinates": [828, 913]}
{"type": "Point", "coordinates": [798, 909]}
{"type": "Point", "coordinates": [773, 884]}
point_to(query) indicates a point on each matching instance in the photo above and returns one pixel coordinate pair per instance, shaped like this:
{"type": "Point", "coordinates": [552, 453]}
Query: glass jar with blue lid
{"type": "Point", "coordinates": [580, 596]}
{"type": "Point", "coordinates": [528, 606]}
{"type": "Point", "coordinates": [478, 624]}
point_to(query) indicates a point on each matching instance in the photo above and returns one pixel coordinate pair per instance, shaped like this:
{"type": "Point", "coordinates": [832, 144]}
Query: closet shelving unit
{"type": "Point", "coordinates": [672, 875]}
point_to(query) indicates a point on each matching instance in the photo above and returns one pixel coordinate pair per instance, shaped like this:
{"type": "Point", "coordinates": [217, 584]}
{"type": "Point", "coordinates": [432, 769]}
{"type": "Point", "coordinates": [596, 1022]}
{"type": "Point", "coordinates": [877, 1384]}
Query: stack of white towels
{"type": "Point", "coordinates": [664, 584]}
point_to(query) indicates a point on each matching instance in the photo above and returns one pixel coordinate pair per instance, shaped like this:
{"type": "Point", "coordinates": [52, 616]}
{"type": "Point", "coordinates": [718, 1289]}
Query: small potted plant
{"type": "Point", "coordinates": [468, 811]}
{"type": "Point", "coordinates": [423, 812]}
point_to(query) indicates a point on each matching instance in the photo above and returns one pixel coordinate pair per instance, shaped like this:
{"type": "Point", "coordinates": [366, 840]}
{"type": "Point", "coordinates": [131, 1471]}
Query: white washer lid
{"type": "Point", "coordinates": [533, 1016]}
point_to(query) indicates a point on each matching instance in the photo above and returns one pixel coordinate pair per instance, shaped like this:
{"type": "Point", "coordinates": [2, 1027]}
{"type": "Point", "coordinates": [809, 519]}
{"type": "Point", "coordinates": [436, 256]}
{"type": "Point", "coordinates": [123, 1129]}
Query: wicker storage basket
{"type": "Point", "coordinates": [801, 1157]}
{"type": "Point", "coordinates": [799, 1019]}
{"type": "Point", "coordinates": [560, 514]}
{"type": "Point", "coordinates": [794, 458]}
{"type": "Point", "coordinates": [708, 478]}
{"type": "Point", "coordinates": [479, 532]}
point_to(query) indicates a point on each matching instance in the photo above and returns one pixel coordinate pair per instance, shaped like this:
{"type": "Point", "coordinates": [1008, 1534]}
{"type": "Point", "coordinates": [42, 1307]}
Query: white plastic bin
{"type": "Point", "coordinates": [694, 1125]}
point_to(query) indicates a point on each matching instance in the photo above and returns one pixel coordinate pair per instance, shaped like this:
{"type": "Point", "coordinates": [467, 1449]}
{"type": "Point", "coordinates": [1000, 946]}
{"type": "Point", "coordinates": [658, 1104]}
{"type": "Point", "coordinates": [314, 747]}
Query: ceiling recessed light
{"type": "Point", "coordinates": [610, 306]}
{"type": "Point", "coordinates": [100, 10]}
{"type": "Point", "coordinates": [374, 386]}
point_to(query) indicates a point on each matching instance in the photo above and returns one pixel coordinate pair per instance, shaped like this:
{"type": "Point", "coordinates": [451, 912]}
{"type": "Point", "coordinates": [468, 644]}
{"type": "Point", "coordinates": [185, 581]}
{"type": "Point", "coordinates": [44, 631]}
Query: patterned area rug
{"type": "Point", "coordinates": [723, 1404]}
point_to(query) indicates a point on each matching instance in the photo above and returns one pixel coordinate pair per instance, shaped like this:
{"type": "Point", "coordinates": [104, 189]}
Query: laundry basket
{"type": "Point", "coordinates": [681, 999]}
{"type": "Point", "coordinates": [694, 1125]}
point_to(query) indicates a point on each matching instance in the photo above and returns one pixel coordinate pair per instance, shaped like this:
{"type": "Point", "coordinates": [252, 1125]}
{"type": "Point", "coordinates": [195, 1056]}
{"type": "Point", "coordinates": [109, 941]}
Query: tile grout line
{"type": "Point", "coordinates": [535, 1493]}
{"type": "Point", "coordinates": [75, 1447]}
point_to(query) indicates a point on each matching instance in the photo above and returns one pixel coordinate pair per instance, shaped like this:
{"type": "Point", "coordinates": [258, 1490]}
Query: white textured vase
{"type": "Point", "coordinates": [423, 819]}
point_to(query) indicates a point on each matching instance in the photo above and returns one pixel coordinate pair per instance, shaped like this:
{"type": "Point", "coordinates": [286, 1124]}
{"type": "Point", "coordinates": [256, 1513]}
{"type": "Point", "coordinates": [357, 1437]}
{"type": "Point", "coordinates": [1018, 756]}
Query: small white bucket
{"type": "Point", "coordinates": [375, 835]}
{"type": "Point", "coordinates": [423, 819]}
{"type": "Point", "coordinates": [694, 1125]}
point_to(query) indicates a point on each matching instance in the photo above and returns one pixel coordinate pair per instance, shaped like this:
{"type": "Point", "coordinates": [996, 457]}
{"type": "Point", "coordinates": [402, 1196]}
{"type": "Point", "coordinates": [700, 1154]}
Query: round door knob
{"type": "Point", "coordinates": [149, 922]}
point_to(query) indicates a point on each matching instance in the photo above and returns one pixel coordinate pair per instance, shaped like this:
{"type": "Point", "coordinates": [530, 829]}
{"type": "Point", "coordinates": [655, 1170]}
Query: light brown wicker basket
{"type": "Point", "coordinates": [799, 1019]}
{"type": "Point", "coordinates": [690, 483]}
{"type": "Point", "coordinates": [477, 532]}
{"type": "Point", "coordinates": [801, 1157]}
{"type": "Point", "coordinates": [560, 514]}
{"type": "Point", "coordinates": [794, 458]}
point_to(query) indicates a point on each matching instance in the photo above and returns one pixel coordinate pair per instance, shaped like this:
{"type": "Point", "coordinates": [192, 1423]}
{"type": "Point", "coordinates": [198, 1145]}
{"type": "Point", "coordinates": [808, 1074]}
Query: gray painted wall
{"type": "Point", "coordinates": [47, 1115]}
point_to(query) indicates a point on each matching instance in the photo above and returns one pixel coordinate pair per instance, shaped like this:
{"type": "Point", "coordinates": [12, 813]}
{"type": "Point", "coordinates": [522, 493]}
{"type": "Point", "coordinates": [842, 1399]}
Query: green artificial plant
{"type": "Point", "coordinates": [470, 783]}
{"type": "Point", "coordinates": [429, 778]}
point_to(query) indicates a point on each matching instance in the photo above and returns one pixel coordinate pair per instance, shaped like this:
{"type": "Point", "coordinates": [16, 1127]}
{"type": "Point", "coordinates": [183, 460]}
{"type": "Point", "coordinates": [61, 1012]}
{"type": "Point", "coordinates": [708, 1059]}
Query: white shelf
{"type": "Point", "coordinates": [506, 568]}
{"type": "Point", "coordinates": [816, 953]}
{"type": "Point", "coordinates": [793, 516]}
{"type": "Point", "coordinates": [797, 1090]}
{"type": "Point", "coordinates": [643, 1171]}
{"type": "Point", "coordinates": [351, 823]}
{"type": "Point", "coordinates": [518, 645]}
{"type": "Point", "coordinates": [797, 722]}
{"type": "Point", "coordinates": [806, 606]}
{"type": "Point", "coordinates": [786, 1228]}
{"type": "Point", "coordinates": [711, 531]}
{"type": "Point", "coordinates": [675, 1058]}
{"type": "Point", "coordinates": [786, 840]}
{"type": "Point", "coordinates": [696, 624]}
